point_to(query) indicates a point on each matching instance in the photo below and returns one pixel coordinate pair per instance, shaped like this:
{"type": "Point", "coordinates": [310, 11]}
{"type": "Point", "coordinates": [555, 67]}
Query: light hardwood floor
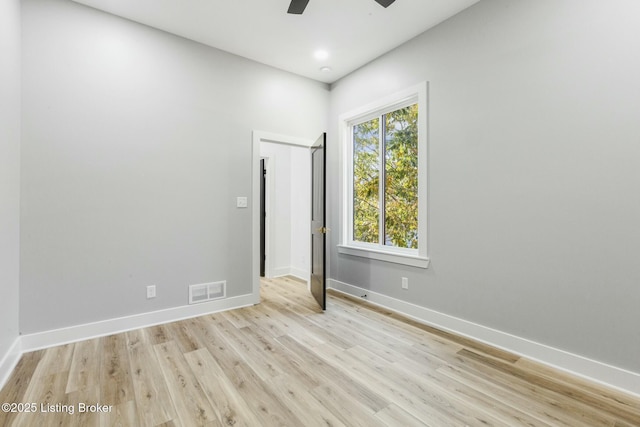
{"type": "Point", "coordinates": [285, 363]}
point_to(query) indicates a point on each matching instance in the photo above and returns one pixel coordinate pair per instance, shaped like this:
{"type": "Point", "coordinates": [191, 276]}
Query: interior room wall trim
{"type": "Point", "coordinates": [292, 271]}
{"type": "Point", "coordinates": [281, 271]}
{"type": "Point", "coordinates": [46, 339]}
{"type": "Point", "coordinates": [611, 376]}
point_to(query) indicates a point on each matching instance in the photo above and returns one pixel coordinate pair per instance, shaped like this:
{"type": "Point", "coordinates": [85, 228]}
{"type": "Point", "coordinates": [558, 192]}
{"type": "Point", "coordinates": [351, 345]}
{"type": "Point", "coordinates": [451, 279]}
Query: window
{"type": "Point", "coordinates": [384, 178]}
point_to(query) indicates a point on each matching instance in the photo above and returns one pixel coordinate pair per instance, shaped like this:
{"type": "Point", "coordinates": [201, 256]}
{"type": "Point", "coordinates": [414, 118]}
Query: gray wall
{"type": "Point", "coordinates": [9, 171]}
{"type": "Point", "coordinates": [534, 179]}
{"type": "Point", "coordinates": [136, 144]}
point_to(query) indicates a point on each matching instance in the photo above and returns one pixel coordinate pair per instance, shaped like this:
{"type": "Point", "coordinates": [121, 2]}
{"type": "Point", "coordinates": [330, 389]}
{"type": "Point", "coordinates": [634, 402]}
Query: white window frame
{"type": "Point", "coordinates": [379, 251]}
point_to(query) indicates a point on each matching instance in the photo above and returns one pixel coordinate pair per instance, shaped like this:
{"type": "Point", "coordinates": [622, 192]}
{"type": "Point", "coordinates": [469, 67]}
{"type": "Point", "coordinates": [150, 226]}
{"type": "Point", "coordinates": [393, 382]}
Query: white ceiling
{"type": "Point", "coordinates": [354, 32]}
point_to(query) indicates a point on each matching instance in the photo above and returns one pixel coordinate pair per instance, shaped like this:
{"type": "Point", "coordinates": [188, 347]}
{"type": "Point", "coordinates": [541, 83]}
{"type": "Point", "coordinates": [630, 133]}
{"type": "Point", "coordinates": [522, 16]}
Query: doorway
{"type": "Point", "coordinates": [287, 178]}
{"type": "Point", "coordinates": [284, 155]}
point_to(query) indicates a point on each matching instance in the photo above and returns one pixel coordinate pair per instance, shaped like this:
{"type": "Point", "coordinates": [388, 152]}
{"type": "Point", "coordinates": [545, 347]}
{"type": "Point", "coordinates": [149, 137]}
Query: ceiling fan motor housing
{"type": "Point", "coordinates": [296, 7]}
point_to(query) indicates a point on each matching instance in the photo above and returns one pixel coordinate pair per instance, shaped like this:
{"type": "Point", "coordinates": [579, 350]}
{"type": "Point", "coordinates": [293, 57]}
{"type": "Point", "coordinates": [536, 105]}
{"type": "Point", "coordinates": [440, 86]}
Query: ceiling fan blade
{"type": "Point", "coordinates": [385, 3]}
{"type": "Point", "coordinates": [297, 6]}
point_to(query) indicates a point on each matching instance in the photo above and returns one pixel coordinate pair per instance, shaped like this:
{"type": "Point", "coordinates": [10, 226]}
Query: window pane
{"type": "Point", "coordinates": [366, 177]}
{"type": "Point", "coordinates": [401, 173]}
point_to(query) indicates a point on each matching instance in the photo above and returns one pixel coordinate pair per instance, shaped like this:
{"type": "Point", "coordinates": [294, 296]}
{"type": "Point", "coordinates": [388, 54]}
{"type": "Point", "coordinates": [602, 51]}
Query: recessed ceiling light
{"type": "Point", "coordinates": [325, 69]}
{"type": "Point", "coordinates": [321, 55]}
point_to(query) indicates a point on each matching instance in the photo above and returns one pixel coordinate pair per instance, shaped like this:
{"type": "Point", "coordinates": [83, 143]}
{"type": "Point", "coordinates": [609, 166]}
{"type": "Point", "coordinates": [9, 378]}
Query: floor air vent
{"type": "Point", "coordinates": [207, 292]}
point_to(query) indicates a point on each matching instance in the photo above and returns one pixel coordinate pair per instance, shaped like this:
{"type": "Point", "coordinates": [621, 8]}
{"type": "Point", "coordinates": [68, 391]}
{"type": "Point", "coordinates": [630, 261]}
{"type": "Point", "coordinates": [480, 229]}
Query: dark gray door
{"type": "Point", "coordinates": [263, 216]}
{"type": "Point", "coordinates": [318, 225]}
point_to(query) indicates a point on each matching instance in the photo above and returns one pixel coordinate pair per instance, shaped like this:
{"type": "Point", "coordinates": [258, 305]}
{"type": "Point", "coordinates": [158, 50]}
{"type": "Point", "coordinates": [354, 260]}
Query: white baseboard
{"type": "Point", "coordinates": [611, 376]}
{"type": "Point", "coordinates": [300, 273]}
{"type": "Point", "coordinates": [280, 271]}
{"type": "Point", "coordinates": [291, 271]}
{"type": "Point", "coordinates": [9, 361]}
{"type": "Point", "coordinates": [62, 336]}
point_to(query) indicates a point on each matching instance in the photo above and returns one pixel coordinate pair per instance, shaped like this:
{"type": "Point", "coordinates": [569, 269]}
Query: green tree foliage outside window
{"type": "Point", "coordinates": [366, 179]}
{"type": "Point", "coordinates": [386, 147]}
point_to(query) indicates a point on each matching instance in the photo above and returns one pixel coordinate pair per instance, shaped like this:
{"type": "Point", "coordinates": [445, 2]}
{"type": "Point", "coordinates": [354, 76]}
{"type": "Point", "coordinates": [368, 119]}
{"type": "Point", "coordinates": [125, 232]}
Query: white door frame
{"type": "Point", "coordinates": [259, 137]}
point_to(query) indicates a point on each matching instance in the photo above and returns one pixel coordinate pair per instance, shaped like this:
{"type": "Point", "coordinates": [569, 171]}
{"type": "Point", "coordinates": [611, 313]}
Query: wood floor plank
{"type": "Point", "coordinates": [625, 412]}
{"type": "Point", "coordinates": [345, 316]}
{"type": "Point", "coordinates": [615, 400]}
{"type": "Point", "coordinates": [394, 416]}
{"type": "Point", "coordinates": [353, 335]}
{"type": "Point", "coordinates": [331, 374]}
{"type": "Point", "coordinates": [184, 335]}
{"type": "Point", "coordinates": [216, 343]}
{"type": "Point", "coordinates": [465, 342]}
{"type": "Point", "coordinates": [282, 358]}
{"type": "Point", "coordinates": [190, 401]}
{"type": "Point", "coordinates": [16, 386]}
{"type": "Point", "coordinates": [259, 316]}
{"type": "Point", "coordinates": [290, 291]}
{"type": "Point", "coordinates": [573, 411]}
{"type": "Point", "coordinates": [427, 391]}
{"type": "Point", "coordinates": [394, 324]}
{"type": "Point", "coordinates": [153, 398]}
{"type": "Point", "coordinates": [236, 319]}
{"type": "Point", "coordinates": [350, 411]}
{"type": "Point", "coordinates": [290, 327]}
{"type": "Point", "coordinates": [86, 360]}
{"type": "Point", "coordinates": [261, 398]}
{"type": "Point", "coordinates": [322, 334]}
{"type": "Point", "coordinates": [373, 371]}
{"type": "Point", "coordinates": [116, 385]}
{"type": "Point", "coordinates": [487, 404]}
{"type": "Point", "coordinates": [510, 397]}
{"type": "Point", "coordinates": [123, 414]}
{"type": "Point", "coordinates": [298, 397]}
{"type": "Point", "coordinates": [252, 352]}
{"type": "Point", "coordinates": [413, 371]}
{"type": "Point", "coordinates": [159, 334]}
{"type": "Point", "coordinates": [48, 393]}
{"type": "Point", "coordinates": [228, 404]}
{"type": "Point", "coordinates": [55, 360]}
{"type": "Point", "coordinates": [82, 400]}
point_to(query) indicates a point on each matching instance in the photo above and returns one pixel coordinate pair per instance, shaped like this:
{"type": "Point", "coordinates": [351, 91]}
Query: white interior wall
{"type": "Point", "coordinates": [279, 208]}
{"type": "Point", "coordinates": [534, 156]}
{"type": "Point", "coordinates": [9, 178]}
{"type": "Point", "coordinates": [136, 144]}
{"type": "Point", "coordinates": [288, 197]}
{"type": "Point", "coordinates": [300, 212]}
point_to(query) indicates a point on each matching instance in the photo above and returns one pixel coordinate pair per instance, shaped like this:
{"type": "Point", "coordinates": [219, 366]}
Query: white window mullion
{"type": "Point", "coordinates": [348, 228]}
{"type": "Point", "coordinates": [382, 182]}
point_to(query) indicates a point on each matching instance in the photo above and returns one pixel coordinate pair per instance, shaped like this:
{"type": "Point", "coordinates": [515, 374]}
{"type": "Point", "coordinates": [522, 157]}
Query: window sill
{"type": "Point", "coordinates": [404, 259]}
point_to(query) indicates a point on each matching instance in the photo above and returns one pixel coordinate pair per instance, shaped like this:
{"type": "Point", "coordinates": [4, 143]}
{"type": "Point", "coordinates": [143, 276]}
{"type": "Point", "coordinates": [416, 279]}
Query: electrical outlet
{"type": "Point", "coordinates": [405, 283]}
{"type": "Point", "coordinates": [151, 291]}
